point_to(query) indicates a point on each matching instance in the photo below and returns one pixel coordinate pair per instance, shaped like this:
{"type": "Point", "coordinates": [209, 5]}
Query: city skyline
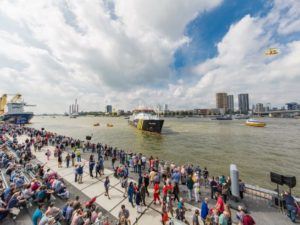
{"type": "Point", "coordinates": [138, 52]}
{"type": "Point", "coordinates": [226, 102]}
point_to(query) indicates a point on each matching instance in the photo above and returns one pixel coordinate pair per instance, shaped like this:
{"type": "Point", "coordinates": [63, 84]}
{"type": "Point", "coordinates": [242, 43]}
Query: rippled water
{"type": "Point", "coordinates": [214, 144]}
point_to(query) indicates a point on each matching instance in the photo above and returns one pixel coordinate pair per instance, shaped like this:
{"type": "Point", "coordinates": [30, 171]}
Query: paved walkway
{"type": "Point", "coordinates": [92, 187]}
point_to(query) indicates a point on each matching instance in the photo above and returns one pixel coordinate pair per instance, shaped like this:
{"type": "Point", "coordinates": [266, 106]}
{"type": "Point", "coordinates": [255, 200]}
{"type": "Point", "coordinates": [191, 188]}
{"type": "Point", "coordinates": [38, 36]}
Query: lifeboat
{"type": "Point", "coordinates": [255, 123]}
{"type": "Point", "coordinates": [109, 125]}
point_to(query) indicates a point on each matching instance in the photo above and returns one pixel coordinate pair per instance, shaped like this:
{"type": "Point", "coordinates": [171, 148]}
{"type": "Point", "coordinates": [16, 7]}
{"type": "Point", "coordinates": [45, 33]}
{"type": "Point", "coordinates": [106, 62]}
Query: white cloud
{"type": "Point", "coordinates": [119, 52]}
{"type": "Point", "coordinates": [99, 51]}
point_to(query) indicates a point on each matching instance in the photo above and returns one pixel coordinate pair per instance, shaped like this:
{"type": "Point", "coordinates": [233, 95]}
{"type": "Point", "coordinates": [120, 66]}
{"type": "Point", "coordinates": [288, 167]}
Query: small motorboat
{"type": "Point", "coordinates": [96, 124]}
{"type": "Point", "coordinates": [109, 125]}
{"type": "Point", "coordinates": [255, 123]}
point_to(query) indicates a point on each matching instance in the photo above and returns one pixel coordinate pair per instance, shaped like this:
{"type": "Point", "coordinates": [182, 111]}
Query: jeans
{"type": "Point", "coordinates": [79, 178]}
{"type": "Point", "coordinates": [292, 211]}
{"type": "Point", "coordinates": [190, 194]}
{"type": "Point", "coordinates": [135, 168]}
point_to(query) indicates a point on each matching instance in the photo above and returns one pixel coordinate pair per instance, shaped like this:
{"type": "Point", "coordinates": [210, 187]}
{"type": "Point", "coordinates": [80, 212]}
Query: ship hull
{"type": "Point", "coordinates": [147, 125]}
{"type": "Point", "coordinates": [255, 124]}
{"type": "Point", "coordinates": [18, 118]}
{"type": "Point", "coordinates": [222, 118]}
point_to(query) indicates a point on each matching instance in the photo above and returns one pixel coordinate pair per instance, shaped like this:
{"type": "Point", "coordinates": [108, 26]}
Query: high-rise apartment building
{"type": "Point", "coordinates": [221, 101]}
{"type": "Point", "coordinates": [230, 103]}
{"type": "Point", "coordinates": [259, 108]}
{"type": "Point", "coordinates": [293, 106]}
{"type": "Point", "coordinates": [243, 103]}
{"type": "Point", "coordinates": [108, 109]}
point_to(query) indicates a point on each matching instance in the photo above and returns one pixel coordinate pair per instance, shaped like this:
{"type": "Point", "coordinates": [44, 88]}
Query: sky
{"type": "Point", "coordinates": [131, 53]}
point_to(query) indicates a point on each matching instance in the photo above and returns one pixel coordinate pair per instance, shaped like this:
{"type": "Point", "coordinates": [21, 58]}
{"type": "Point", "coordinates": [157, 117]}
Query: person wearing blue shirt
{"type": "Point", "coordinates": [80, 173]}
{"type": "Point", "coordinates": [7, 191]}
{"type": "Point", "coordinates": [176, 177]}
{"type": "Point", "coordinates": [19, 181]}
{"type": "Point", "coordinates": [13, 202]}
{"type": "Point", "coordinates": [204, 209]}
{"type": "Point", "coordinates": [37, 215]}
{"type": "Point", "coordinates": [130, 193]}
{"type": "Point", "coordinates": [290, 206]}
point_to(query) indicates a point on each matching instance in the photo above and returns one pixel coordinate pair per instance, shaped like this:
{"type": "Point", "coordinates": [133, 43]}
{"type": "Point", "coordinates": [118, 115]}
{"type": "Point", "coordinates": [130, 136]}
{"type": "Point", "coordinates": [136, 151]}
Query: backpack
{"type": "Point", "coordinates": [73, 155]}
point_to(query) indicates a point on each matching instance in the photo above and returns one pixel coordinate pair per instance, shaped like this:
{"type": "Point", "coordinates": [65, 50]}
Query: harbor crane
{"type": "Point", "coordinates": [3, 101]}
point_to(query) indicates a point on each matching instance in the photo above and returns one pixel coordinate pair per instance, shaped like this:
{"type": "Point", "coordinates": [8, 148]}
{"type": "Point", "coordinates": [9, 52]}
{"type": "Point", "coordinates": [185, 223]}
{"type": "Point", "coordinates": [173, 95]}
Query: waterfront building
{"type": "Point", "coordinates": [259, 108]}
{"type": "Point", "coordinates": [243, 103]}
{"type": "Point", "coordinates": [230, 103]}
{"type": "Point", "coordinates": [215, 111]}
{"type": "Point", "coordinates": [221, 102]}
{"type": "Point", "coordinates": [166, 110]}
{"type": "Point", "coordinates": [120, 112]}
{"type": "Point", "coordinates": [204, 111]}
{"type": "Point", "coordinates": [196, 111]}
{"type": "Point", "coordinates": [292, 106]}
{"type": "Point", "coordinates": [108, 109]}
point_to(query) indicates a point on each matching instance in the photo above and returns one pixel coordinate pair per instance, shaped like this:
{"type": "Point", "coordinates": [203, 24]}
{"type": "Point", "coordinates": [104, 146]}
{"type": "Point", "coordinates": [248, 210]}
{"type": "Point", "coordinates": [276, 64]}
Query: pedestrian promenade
{"type": "Point", "coordinates": [92, 187]}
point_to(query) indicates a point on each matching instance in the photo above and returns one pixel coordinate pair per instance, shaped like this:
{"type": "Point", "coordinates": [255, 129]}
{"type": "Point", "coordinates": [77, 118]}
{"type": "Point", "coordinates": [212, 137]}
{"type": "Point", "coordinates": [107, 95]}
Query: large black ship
{"type": "Point", "coordinates": [147, 120]}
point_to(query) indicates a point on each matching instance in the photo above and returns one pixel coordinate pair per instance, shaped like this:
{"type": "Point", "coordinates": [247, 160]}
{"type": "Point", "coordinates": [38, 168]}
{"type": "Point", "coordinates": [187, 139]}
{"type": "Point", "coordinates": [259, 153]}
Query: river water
{"type": "Point", "coordinates": [204, 142]}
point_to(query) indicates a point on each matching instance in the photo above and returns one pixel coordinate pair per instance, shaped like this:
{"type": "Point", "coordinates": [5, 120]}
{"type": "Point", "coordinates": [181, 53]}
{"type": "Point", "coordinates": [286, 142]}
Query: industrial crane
{"type": "Point", "coordinates": [3, 101]}
{"type": "Point", "coordinates": [16, 98]}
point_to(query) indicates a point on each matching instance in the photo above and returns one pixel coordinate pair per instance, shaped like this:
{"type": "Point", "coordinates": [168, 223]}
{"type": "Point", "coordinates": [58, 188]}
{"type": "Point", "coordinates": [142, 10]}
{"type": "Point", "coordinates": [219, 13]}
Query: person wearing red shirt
{"type": "Point", "coordinates": [165, 190]}
{"type": "Point", "coordinates": [156, 193]}
{"type": "Point", "coordinates": [35, 185]}
{"type": "Point", "coordinates": [220, 203]}
{"type": "Point", "coordinates": [248, 220]}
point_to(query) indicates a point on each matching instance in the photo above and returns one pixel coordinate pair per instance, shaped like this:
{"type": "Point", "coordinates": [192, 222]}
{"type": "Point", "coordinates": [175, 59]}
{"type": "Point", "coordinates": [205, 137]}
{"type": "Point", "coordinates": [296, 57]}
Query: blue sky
{"type": "Point", "coordinates": [207, 29]}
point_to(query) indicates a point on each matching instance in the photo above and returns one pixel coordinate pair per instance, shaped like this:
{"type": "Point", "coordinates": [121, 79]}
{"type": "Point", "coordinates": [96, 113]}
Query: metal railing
{"type": "Point", "coordinates": [258, 192]}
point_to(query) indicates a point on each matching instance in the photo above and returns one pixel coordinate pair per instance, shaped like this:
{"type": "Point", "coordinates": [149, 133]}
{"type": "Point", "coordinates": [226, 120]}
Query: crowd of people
{"type": "Point", "coordinates": [24, 183]}
{"type": "Point", "coordinates": [173, 186]}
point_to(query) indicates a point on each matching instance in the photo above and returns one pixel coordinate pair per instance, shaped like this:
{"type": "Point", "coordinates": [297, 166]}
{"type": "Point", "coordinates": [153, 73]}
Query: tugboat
{"type": "Point", "coordinates": [147, 120]}
{"type": "Point", "coordinates": [15, 110]}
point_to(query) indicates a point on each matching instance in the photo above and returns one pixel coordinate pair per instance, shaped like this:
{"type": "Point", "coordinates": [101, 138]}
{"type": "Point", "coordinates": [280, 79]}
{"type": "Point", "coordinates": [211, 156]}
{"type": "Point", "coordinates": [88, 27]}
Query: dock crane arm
{"type": "Point", "coordinates": [3, 101]}
{"type": "Point", "coordinates": [16, 98]}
